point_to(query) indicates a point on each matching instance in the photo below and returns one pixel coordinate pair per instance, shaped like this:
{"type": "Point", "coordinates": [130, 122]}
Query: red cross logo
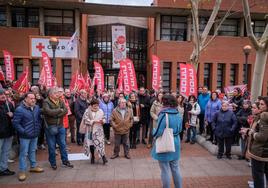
{"type": "Point", "coordinates": [40, 47]}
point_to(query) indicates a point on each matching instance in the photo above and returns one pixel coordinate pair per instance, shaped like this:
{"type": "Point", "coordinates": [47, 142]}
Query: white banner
{"type": "Point", "coordinates": [118, 45]}
{"type": "Point", "coordinates": [39, 45]}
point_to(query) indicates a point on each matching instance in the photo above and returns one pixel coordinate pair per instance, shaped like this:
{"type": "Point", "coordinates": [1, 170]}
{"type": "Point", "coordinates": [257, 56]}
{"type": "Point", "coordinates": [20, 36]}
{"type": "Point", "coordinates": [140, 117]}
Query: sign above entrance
{"type": "Point", "coordinates": [118, 45]}
{"type": "Point", "coordinates": [41, 44]}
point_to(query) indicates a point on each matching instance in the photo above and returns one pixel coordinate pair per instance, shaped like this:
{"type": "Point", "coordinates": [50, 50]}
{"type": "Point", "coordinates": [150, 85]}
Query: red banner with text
{"type": "Point", "coordinates": [99, 76]}
{"type": "Point", "coordinates": [49, 80]}
{"type": "Point", "coordinates": [9, 65]}
{"type": "Point", "coordinates": [155, 73]}
{"type": "Point", "coordinates": [132, 74]}
{"type": "Point", "coordinates": [188, 80]}
{"type": "Point", "coordinates": [120, 81]}
{"type": "Point", "coordinates": [125, 77]}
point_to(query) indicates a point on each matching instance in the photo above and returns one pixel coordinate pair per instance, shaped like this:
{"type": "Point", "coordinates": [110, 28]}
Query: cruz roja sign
{"type": "Point", "coordinates": [41, 44]}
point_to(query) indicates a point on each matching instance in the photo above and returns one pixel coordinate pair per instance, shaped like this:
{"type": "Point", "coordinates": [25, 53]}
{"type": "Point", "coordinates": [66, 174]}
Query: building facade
{"type": "Point", "coordinates": [164, 29]}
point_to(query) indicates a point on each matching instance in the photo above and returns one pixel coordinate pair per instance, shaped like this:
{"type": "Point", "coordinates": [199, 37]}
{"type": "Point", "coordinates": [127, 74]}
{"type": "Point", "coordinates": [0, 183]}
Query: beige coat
{"type": "Point", "coordinates": [155, 109]}
{"type": "Point", "coordinates": [121, 125]}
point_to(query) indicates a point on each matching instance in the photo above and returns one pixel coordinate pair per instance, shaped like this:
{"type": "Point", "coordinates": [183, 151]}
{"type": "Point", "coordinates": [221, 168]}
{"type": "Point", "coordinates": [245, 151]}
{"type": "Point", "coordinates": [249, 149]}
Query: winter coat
{"type": "Point", "coordinates": [258, 148]}
{"type": "Point", "coordinates": [53, 113]}
{"type": "Point", "coordinates": [145, 111]}
{"type": "Point", "coordinates": [107, 108]}
{"type": "Point", "coordinates": [27, 121]}
{"type": "Point", "coordinates": [224, 124]}
{"type": "Point", "coordinates": [238, 100]}
{"type": "Point", "coordinates": [242, 118]}
{"type": "Point", "coordinates": [175, 122]}
{"type": "Point", "coordinates": [121, 125]}
{"type": "Point", "coordinates": [193, 114]}
{"type": "Point", "coordinates": [213, 106]}
{"type": "Point", "coordinates": [155, 109]}
{"type": "Point", "coordinates": [6, 128]}
{"type": "Point", "coordinates": [202, 101]}
{"type": "Point", "coordinates": [80, 107]}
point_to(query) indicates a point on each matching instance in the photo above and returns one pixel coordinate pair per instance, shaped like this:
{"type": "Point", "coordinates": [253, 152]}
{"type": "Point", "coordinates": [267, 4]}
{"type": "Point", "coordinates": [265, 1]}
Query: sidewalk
{"type": "Point", "coordinates": [198, 167]}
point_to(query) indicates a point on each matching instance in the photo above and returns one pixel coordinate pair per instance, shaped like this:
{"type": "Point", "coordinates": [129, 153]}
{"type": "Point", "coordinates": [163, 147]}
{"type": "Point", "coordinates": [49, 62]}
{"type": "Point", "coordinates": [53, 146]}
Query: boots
{"type": "Point", "coordinates": [104, 160]}
{"type": "Point", "coordinates": [92, 161]}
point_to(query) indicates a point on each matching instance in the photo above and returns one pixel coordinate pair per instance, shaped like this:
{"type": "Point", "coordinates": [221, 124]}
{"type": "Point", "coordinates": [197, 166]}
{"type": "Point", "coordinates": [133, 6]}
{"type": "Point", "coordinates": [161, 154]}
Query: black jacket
{"type": "Point", "coordinates": [80, 107]}
{"type": "Point", "coordinates": [145, 111]}
{"type": "Point", "coordinates": [6, 128]}
{"type": "Point", "coordinates": [242, 118]}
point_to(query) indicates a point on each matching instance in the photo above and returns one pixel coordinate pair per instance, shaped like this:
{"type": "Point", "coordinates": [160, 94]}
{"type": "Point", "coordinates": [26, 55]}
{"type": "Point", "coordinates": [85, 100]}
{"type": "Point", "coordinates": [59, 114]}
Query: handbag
{"type": "Point", "coordinates": [165, 142]}
{"type": "Point", "coordinates": [82, 128]}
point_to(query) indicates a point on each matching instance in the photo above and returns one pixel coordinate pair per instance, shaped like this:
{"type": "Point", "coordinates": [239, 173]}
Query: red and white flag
{"type": "Point", "coordinates": [42, 77]}
{"type": "Point", "coordinates": [22, 85]}
{"type": "Point", "coordinates": [49, 80]}
{"type": "Point", "coordinates": [132, 74]}
{"type": "Point", "coordinates": [9, 64]}
{"type": "Point", "coordinates": [229, 89]}
{"type": "Point", "coordinates": [77, 82]}
{"type": "Point", "coordinates": [87, 80]}
{"type": "Point", "coordinates": [188, 80]}
{"type": "Point", "coordinates": [156, 73]}
{"type": "Point", "coordinates": [125, 77]}
{"type": "Point", "coordinates": [2, 75]}
{"type": "Point", "coordinates": [120, 81]}
{"type": "Point", "coordinates": [99, 76]}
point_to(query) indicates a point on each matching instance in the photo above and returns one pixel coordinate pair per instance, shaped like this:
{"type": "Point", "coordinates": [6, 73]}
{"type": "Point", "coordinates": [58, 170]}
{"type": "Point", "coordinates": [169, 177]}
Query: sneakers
{"type": "Point", "coordinates": [114, 156]}
{"type": "Point", "coordinates": [54, 167]}
{"type": "Point", "coordinates": [107, 142]}
{"type": "Point", "coordinates": [67, 164]}
{"type": "Point", "coordinates": [42, 147]}
{"type": "Point", "coordinates": [127, 156]}
{"type": "Point", "coordinates": [6, 172]}
{"type": "Point", "coordinates": [37, 169]}
{"type": "Point", "coordinates": [22, 176]}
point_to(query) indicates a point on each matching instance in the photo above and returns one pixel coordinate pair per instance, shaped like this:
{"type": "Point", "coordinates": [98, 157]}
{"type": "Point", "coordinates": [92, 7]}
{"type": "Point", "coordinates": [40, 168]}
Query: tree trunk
{"type": "Point", "coordinates": [258, 75]}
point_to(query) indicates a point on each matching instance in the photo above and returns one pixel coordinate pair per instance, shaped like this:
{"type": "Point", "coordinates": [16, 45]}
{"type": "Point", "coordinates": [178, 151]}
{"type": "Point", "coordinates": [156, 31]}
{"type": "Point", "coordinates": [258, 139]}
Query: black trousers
{"type": "Point", "coordinates": [133, 133]}
{"type": "Point", "coordinates": [210, 132]}
{"type": "Point", "coordinates": [201, 123]}
{"type": "Point", "coordinates": [106, 130]}
{"type": "Point", "coordinates": [79, 137]}
{"type": "Point", "coordinates": [41, 137]}
{"type": "Point", "coordinates": [227, 141]}
{"type": "Point", "coordinates": [259, 169]}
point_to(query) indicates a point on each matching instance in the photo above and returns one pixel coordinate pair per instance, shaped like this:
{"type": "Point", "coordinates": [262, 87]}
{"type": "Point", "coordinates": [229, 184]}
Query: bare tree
{"type": "Point", "coordinates": [261, 47]}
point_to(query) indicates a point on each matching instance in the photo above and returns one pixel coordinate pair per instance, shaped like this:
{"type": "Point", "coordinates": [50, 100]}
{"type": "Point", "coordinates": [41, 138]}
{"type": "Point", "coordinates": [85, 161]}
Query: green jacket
{"type": "Point", "coordinates": [259, 147]}
{"type": "Point", "coordinates": [53, 113]}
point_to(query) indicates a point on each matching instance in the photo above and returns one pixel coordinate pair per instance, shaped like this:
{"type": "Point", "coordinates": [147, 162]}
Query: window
{"type": "Point", "coordinates": [35, 71]}
{"type": "Point", "coordinates": [258, 27]}
{"type": "Point", "coordinates": [59, 22]}
{"type": "Point", "coordinates": [173, 28]}
{"type": "Point", "coordinates": [220, 75]}
{"type": "Point", "coordinates": [18, 67]}
{"type": "Point", "coordinates": [166, 76]}
{"type": "Point", "coordinates": [230, 27]}
{"type": "Point", "coordinates": [25, 17]}
{"type": "Point", "coordinates": [3, 16]}
{"type": "Point", "coordinates": [233, 74]}
{"type": "Point", "coordinates": [246, 76]}
{"type": "Point", "coordinates": [67, 72]}
{"type": "Point", "coordinates": [207, 75]}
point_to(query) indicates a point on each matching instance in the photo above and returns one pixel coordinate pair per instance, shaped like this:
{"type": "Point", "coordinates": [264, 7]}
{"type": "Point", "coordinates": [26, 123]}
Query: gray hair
{"type": "Point", "coordinates": [122, 100]}
{"type": "Point", "coordinates": [52, 90]}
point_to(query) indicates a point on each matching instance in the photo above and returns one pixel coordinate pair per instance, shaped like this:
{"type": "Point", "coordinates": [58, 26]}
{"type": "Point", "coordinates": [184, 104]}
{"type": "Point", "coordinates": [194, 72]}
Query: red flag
{"type": "Point", "coordinates": [87, 79]}
{"type": "Point", "coordinates": [49, 80]}
{"type": "Point", "coordinates": [188, 80]}
{"type": "Point", "coordinates": [22, 85]}
{"type": "Point", "coordinates": [125, 76]}
{"type": "Point", "coordinates": [42, 77]}
{"type": "Point", "coordinates": [132, 74]}
{"type": "Point", "coordinates": [80, 82]}
{"type": "Point", "coordinates": [73, 84]}
{"type": "Point", "coordinates": [120, 81]}
{"type": "Point", "coordinates": [155, 73]}
{"type": "Point", "coordinates": [99, 76]}
{"type": "Point", "coordinates": [2, 76]}
{"type": "Point", "coordinates": [8, 58]}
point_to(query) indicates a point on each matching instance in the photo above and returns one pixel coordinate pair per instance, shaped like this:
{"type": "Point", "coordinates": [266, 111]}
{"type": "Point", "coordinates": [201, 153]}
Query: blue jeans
{"type": "Point", "coordinates": [191, 133]}
{"type": "Point", "coordinates": [5, 147]}
{"type": "Point", "coordinates": [165, 173]}
{"type": "Point", "coordinates": [27, 148]}
{"type": "Point", "coordinates": [51, 142]}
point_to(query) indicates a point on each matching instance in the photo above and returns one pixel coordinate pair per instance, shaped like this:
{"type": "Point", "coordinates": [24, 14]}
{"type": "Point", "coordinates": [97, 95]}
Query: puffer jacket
{"type": "Point", "coordinates": [259, 147]}
{"type": "Point", "coordinates": [107, 108]}
{"type": "Point", "coordinates": [213, 106]}
{"type": "Point", "coordinates": [193, 115]}
{"type": "Point", "coordinates": [121, 125]}
{"type": "Point", "coordinates": [155, 109]}
{"type": "Point", "coordinates": [54, 114]}
{"type": "Point", "coordinates": [27, 121]}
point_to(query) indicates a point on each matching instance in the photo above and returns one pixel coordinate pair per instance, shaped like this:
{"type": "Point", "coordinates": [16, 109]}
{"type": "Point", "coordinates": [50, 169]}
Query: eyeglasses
{"type": "Point", "coordinates": [262, 104]}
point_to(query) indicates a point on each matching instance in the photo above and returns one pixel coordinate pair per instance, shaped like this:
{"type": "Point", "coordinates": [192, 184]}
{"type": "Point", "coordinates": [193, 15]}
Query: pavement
{"type": "Point", "coordinates": [199, 169]}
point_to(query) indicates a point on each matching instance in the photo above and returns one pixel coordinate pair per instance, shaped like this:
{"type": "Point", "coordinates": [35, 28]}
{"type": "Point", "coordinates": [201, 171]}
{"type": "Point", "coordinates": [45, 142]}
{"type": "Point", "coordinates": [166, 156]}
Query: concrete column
{"type": "Point", "coordinates": [227, 74]}
{"type": "Point", "coordinates": [41, 21]}
{"type": "Point", "coordinates": [157, 27]}
{"type": "Point", "coordinates": [9, 16]}
{"type": "Point", "coordinates": [242, 27]}
{"type": "Point", "coordinates": [189, 28]}
{"type": "Point", "coordinates": [240, 71]}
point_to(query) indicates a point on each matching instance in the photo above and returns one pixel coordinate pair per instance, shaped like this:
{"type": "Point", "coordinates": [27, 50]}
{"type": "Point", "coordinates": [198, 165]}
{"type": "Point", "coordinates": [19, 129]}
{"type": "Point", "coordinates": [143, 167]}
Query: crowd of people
{"type": "Point", "coordinates": [44, 118]}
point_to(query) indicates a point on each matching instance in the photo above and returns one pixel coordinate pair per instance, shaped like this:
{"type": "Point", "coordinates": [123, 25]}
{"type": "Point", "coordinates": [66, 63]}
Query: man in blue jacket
{"type": "Point", "coordinates": [203, 99]}
{"type": "Point", "coordinates": [27, 122]}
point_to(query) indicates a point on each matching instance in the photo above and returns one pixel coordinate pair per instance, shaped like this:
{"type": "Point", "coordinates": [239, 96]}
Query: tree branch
{"type": "Point", "coordinates": [248, 24]}
{"type": "Point", "coordinates": [264, 38]}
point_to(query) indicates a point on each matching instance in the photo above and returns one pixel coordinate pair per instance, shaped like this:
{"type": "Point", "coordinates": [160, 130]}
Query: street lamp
{"type": "Point", "coordinates": [246, 51]}
{"type": "Point", "coordinates": [53, 41]}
